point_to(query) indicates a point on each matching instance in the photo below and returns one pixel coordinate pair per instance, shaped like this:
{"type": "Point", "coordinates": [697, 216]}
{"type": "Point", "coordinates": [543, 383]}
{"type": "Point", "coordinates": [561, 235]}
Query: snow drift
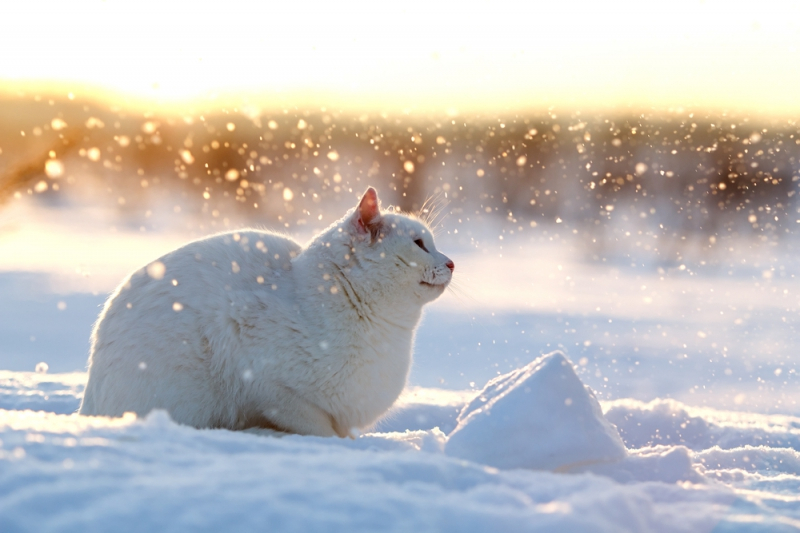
{"type": "Point", "coordinates": [540, 416]}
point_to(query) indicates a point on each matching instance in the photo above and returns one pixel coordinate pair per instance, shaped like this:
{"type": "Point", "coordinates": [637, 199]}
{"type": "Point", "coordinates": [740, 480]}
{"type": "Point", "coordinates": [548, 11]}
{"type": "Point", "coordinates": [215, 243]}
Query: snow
{"type": "Point", "coordinates": [149, 474]}
{"type": "Point", "coordinates": [711, 429]}
{"type": "Point", "coordinates": [540, 416]}
{"type": "Point", "coordinates": [669, 422]}
{"type": "Point", "coordinates": [62, 472]}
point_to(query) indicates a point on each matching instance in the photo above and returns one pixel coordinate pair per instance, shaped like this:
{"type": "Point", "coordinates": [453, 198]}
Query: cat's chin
{"type": "Point", "coordinates": [438, 287]}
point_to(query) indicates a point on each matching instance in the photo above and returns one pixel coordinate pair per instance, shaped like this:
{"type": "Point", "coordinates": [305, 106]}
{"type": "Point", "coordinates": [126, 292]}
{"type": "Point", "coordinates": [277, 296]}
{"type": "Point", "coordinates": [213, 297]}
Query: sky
{"type": "Point", "coordinates": [449, 55]}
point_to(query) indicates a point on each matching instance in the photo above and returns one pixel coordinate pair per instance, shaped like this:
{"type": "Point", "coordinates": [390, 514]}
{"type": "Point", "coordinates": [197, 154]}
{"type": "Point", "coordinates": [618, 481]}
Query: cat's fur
{"type": "Point", "coordinates": [260, 332]}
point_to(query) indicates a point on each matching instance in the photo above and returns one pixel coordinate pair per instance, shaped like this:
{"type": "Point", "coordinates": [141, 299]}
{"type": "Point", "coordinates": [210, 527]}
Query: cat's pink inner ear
{"type": "Point", "coordinates": [369, 212]}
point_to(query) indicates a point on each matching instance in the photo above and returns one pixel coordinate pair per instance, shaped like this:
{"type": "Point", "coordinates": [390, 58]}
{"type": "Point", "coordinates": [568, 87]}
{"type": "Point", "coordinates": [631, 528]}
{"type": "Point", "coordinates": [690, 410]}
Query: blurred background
{"type": "Point", "coordinates": [616, 181]}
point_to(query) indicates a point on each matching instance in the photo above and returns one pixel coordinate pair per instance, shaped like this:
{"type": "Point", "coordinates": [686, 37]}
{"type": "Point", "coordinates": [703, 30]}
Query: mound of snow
{"type": "Point", "coordinates": [539, 416]}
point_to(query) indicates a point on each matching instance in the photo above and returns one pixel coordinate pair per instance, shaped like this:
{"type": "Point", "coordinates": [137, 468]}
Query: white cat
{"type": "Point", "coordinates": [248, 329]}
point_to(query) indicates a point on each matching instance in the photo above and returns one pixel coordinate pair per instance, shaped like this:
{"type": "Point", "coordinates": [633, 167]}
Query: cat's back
{"type": "Point", "coordinates": [203, 274]}
{"type": "Point", "coordinates": [204, 278]}
{"type": "Point", "coordinates": [234, 255]}
{"type": "Point", "coordinates": [176, 316]}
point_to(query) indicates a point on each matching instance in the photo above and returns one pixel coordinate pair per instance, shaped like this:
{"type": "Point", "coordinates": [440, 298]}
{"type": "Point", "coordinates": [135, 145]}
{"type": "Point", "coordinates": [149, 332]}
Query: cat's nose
{"type": "Point", "coordinates": [450, 265]}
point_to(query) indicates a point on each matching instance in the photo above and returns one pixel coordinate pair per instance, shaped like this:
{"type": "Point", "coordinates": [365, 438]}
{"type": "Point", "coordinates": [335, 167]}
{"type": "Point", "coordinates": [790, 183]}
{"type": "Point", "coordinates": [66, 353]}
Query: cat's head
{"type": "Point", "coordinates": [396, 252]}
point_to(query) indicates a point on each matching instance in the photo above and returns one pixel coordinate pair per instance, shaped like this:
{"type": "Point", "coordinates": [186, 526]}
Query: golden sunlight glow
{"type": "Point", "coordinates": [78, 257]}
{"type": "Point", "coordinates": [415, 54]}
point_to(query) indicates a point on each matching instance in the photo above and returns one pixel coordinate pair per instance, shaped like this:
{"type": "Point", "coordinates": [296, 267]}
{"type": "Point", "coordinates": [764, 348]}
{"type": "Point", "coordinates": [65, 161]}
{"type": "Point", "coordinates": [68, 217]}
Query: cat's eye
{"type": "Point", "coordinates": [421, 244]}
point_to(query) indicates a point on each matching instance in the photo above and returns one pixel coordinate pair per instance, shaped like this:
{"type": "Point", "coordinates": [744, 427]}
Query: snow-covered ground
{"type": "Point", "coordinates": [693, 363]}
{"type": "Point", "coordinates": [712, 471]}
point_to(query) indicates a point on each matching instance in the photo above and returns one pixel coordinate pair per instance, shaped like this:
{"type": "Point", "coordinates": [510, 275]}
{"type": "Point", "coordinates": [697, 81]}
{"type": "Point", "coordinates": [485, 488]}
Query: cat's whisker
{"type": "Point", "coordinates": [431, 210]}
{"type": "Point", "coordinates": [463, 297]}
{"type": "Point", "coordinates": [438, 212]}
{"type": "Point", "coordinates": [425, 210]}
{"type": "Point", "coordinates": [460, 290]}
{"type": "Point", "coordinates": [436, 226]}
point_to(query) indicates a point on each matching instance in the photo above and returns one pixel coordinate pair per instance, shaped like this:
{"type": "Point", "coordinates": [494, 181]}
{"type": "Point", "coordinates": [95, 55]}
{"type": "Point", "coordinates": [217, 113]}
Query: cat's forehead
{"type": "Point", "coordinates": [405, 225]}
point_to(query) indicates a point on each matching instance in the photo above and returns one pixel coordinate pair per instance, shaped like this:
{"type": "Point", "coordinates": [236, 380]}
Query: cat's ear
{"type": "Point", "coordinates": [368, 213]}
